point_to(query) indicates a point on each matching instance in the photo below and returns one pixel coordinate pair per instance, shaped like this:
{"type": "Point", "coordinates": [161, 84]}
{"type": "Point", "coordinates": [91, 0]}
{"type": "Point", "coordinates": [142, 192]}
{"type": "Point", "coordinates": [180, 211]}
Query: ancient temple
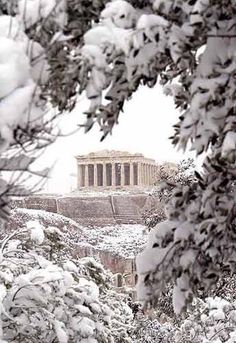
{"type": "Point", "coordinates": [115, 169]}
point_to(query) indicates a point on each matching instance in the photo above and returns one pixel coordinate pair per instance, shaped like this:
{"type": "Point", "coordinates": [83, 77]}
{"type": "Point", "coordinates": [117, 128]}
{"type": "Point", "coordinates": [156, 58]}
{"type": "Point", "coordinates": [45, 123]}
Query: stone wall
{"type": "Point", "coordinates": [125, 267]}
{"type": "Point", "coordinates": [91, 210]}
{"type": "Point", "coordinates": [87, 210]}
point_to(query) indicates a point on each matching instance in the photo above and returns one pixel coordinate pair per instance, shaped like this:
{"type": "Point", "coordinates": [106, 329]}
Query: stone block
{"type": "Point", "coordinates": [45, 203]}
{"type": "Point", "coordinates": [87, 210]}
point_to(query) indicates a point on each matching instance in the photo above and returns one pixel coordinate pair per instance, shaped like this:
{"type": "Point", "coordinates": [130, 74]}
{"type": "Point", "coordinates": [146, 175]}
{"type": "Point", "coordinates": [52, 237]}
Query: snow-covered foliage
{"type": "Point", "coordinates": [21, 216]}
{"type": "Point", "coordinates": [47, 296]}
{"type": "Point", "coordinates": [22, 63]}
{"type": "Point", "coordinates": [190, 46]}
{"type": "Point", "coordinates": [38, 39]}
{"type": "Point", "coordinates": [149, 330]}
{"type": "Point", "coordinates": [51, 31]}
{"type": "Point", "coordinates": [169, 177]}
{"type": "Point", "coordinates": [121, 240]}
{"type": "Point", "coordinates": [26, 125]}
{"type": "Point", "coordinates": [210, 321]}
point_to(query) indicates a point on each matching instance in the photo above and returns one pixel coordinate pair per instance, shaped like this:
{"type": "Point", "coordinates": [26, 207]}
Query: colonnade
{"type": "Point", "coordinates": [115, 174]}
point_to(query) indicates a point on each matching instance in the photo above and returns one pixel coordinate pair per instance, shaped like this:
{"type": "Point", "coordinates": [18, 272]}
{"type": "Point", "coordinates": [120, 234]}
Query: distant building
{"type": "Point", "coordinates": [115, 169]}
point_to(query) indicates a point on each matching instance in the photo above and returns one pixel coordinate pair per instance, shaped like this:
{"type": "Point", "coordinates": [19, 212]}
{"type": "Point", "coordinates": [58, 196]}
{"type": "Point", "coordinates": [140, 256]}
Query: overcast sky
{"type": "Point", "coordinates": [144, 127]}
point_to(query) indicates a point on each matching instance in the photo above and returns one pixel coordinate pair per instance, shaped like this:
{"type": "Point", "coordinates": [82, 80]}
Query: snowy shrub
{"type": "Point", "coordinates": [50, 297]}
{"type": "Point", "coordinates": [168, 178]}
{"type": "Point", "coordinates": [149, 330]}
{"type": "Point", "coordinates": [210, 321]}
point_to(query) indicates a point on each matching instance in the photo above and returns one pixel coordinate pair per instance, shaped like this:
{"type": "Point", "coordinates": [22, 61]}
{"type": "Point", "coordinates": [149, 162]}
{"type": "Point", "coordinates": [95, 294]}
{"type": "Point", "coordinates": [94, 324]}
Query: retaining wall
{"type": "Point", "coordinates": [92, 211]}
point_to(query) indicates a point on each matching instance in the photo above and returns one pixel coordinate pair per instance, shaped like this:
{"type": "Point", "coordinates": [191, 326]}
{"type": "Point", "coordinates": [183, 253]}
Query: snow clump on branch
{"type": "Point", "coordinates": [24, 67]}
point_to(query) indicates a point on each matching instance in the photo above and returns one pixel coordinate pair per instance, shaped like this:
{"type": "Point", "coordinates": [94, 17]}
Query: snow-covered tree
{"type": "Point", "coordinates": [48, 296]}
{"type": "Point", "coordinates": [189, 45]}
{"type": "Point", "coordinates": [38, 82]}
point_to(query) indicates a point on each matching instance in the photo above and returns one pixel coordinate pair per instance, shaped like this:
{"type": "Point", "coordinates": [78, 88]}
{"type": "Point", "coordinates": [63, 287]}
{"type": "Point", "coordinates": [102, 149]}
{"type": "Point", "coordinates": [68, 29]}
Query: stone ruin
{"type": "Point", "coordinates": [114, 169]}
{"type": "Point", "coordinates": [87, 210]}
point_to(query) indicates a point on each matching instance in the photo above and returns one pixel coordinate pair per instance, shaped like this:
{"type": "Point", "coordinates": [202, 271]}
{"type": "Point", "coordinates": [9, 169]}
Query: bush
{"type": "Point", "coordinates": [47, 296]}
{"type": "Point", "coordinates": [210, 321]}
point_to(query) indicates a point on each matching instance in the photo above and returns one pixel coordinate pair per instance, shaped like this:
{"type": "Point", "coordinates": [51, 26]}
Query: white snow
{"type": "Point", "coordinates": [146, 21]}
{"type": "Point", "coordinates": [17, 79]}
{"type": "Point", "coordinates": [94, 54]}
{"type": "Point", "coordinates": [60, 332]}
{"type": "Point", "coordinates": [31, 11]}
{"type": "Point", "coordinates": [188, 258]}
{"type": "Point", "coordinates": [36, 231]}
{"type": "Point", "coordinates": [50, 217]}
{"type": "Point", "coordinates": [119, 12]}
{"type": "Point", "coordinates": [122, 240]}
{"type": "Point", "coordinates": [105, 193]}
{"type": "Point", "coordinates": [105, 35]}
{"type": "Point", "coordinates": [10, 118]}
{"type": "Point", "coordinates": [92, 288]}
{"type": "Point", "coordinates": [88, 340]}
{"type": "Point", "coordinates": [84, 326]}
{"type": "Point", "coordinates": [229, 143]}
{"type": "Point", "coordinates": [11, 28]}
{"type": "Point", "coordinates": [14, 66]}
{"type": "Point", "coordinates": [98, 35]}
{"type": "Point", "coordinates": [178, 300]}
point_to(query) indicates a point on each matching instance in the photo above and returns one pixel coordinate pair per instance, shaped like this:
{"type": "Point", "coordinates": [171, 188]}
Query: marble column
{"type": "Point", "coordinates": [131, 168]}
{"type": "Point", "coordinates": [139, 174]}
{"type": "Point", "coordinates": [79, 177]}
{"type": "Point", "coordinates": [104, 174]}
{"type": "Point", "coordinates": [95, 181]}
{"type": "Point", "coordinates": [113, 175]}
{"type": "Point", "coordinates": [86, 175]}
{"type": "Point", "coordinates": [145, 173]}
{"type": "Point", "coordinates": [122, 174]}
{"type": "Point", "coordinates": [143, 168]}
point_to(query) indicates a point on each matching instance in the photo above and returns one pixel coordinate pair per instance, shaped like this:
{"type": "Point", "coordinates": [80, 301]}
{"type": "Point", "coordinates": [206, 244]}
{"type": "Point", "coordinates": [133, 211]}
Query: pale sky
{"type": "Point", "coordinates": [144, 127]}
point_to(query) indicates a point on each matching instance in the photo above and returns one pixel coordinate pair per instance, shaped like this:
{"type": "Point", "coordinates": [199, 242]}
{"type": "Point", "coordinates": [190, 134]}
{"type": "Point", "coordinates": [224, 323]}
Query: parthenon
{"type": "Point", "coordinates": [115, 169]}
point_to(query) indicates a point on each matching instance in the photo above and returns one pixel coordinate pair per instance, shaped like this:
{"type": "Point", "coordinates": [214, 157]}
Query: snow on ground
{"type": "Point", "coordinates": [107, 192]}
{"type": "Point", "coordinates": [50, 218]}
{"type": "Point", "coordinates": [123, 240]}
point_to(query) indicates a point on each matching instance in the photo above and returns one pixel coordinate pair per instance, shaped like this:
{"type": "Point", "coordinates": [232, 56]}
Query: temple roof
{"type": "Point", "coordinates": [112, 154]}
